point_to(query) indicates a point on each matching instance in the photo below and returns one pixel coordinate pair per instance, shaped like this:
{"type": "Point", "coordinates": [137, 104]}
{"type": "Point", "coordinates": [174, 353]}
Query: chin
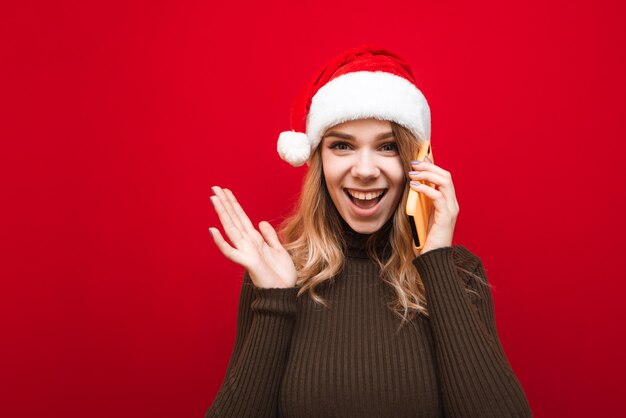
{"type": "Point", "coordinates": [365, 227]}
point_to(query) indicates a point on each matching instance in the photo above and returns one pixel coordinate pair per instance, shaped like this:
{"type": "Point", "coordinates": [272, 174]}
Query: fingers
{"type": "Point", "coordinates": [433, 177]}
{"type": "Point", "coordinates": [442, 183]}
{"type": "Point", "coordinates": [435, 195]}
{"type": "Point", "coordinates": [241, 215]}
{"type": "Point", "coordinates": [249, 248]}
{"type": "Point", "coordinates": [230, 252]}
{"type": "Point", "coordinates": [270, 236]}
{"type": "Point", "coordinates": [237, 225]}
{"type": "Point", "coordinates": [232, 227]}
{"type": "Point", "coordinates": [440, 180]}
{"type": "Point", "coordinates": [228, 205]}
{"type": "Point", "coordinates": [429, 166]}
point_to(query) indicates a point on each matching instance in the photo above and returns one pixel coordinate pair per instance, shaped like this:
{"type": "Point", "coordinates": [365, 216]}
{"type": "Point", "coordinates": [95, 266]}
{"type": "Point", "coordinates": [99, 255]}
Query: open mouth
{"type": "Point", "coordinates": [365, 203]}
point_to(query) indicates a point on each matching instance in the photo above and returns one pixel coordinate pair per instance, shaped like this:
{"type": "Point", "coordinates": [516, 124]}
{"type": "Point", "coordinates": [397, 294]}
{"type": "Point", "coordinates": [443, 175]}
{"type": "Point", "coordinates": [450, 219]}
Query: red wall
{"type": "Point", "coordinates": [117, 118]}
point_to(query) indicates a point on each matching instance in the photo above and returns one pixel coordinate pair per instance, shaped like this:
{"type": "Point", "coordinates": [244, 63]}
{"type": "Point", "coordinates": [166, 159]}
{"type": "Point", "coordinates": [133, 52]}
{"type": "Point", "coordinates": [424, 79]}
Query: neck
{"type": "Point", "coordinates": [356, 242]}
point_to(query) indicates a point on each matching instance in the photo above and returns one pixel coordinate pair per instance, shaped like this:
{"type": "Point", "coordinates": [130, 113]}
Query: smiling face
{"type": "Point", "coordinates": [363, 172]}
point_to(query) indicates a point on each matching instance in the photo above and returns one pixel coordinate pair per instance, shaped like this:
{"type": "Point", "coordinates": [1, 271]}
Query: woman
{"type": "Point", "coordinates": [343, 317]}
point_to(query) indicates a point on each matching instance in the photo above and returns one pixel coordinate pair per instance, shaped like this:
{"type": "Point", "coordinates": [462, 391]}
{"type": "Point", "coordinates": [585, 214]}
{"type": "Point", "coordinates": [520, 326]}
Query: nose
{"type": "Point", "coordinates": [365, 166]}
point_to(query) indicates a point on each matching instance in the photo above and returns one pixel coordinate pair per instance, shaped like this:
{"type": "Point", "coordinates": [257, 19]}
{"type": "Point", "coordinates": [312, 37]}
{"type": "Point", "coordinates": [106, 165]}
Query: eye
{"type": "Point", "coordinates": [339, 145]}
{"type": "Point", "coordinates": [390, 146]}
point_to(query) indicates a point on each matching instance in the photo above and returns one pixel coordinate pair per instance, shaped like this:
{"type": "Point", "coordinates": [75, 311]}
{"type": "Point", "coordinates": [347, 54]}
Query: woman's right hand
{"type": "Point", "coordinates": [262, 254]}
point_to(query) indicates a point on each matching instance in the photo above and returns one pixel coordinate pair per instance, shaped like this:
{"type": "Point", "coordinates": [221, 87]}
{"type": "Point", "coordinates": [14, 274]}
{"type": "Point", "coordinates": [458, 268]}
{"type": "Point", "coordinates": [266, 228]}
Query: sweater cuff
{"type": "Point", "coordinates": [275, 301]}
{"type": "Point", "coordinates": [457, 255]}
{"type": "Point", "coordinates": [428, 263]}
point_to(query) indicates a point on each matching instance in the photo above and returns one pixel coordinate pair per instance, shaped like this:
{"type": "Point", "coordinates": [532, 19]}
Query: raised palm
{"type": "Point", "coordinates": [262, 254]}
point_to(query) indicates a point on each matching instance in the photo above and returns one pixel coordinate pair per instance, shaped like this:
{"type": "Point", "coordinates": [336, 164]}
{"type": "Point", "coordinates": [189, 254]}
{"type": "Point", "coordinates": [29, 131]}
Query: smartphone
{"type": "Point", "coordinates": [418, 205]}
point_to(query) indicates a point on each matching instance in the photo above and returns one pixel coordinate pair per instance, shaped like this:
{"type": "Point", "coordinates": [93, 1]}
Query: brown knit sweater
{"type": "Point", "coordinates": [293, 358]}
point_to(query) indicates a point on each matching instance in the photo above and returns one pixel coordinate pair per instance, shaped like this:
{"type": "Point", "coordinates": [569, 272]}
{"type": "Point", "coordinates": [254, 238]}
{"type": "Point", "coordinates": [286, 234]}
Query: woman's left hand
{"type": "Point", "coordinates": [446, 207]}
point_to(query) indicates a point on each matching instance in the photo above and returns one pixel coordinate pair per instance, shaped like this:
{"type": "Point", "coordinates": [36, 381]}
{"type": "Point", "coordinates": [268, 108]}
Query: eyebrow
{"type": "Point", "coordinates": [346, 136]}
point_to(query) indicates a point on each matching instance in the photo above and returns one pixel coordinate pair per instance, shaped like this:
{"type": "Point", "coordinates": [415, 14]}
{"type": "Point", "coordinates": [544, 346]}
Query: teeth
{"type": "Point", "coordinates": [365, 196]}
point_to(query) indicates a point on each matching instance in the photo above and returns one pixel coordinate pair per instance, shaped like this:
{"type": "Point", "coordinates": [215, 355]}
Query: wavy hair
{"type": "Point", "coordinates": [312, 236]}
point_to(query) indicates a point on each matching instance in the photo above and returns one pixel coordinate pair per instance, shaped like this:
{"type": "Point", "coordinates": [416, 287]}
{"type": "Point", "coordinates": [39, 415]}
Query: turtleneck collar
{"type": "Point", "coordinates": [356, 242]}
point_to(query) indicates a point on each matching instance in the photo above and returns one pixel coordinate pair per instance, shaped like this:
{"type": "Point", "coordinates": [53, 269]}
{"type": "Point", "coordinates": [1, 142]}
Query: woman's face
{"type": "Point", "coordinates": [363, 171]}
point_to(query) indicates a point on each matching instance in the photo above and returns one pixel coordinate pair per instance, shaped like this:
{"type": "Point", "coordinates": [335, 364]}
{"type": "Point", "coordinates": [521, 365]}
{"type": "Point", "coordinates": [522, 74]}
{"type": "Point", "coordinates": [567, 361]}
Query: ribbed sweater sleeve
{"type": "Point", "coordinates": [475, 376]}
{"type": "Point", "coordinates": [264, 328]}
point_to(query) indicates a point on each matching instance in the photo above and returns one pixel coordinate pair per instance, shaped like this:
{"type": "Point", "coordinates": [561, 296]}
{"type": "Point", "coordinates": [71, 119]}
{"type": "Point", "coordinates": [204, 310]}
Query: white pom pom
{"type": "Point", "coordinates": [294, 147]}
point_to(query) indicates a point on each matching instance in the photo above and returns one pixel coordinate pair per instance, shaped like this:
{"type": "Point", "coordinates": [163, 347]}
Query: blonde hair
{"type": "Point", "coordinates": [312, 236]}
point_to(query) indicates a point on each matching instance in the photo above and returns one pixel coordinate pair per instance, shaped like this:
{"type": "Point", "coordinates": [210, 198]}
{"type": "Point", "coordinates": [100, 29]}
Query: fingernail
{"type": "Point", "coordinates": [414, 183]}
{"type": "Point", "coordinates": [211, 232]}
{"type": "Point", "coordinates": [413, 173]}
{"type": "Point", "coordinates": [416, 162]}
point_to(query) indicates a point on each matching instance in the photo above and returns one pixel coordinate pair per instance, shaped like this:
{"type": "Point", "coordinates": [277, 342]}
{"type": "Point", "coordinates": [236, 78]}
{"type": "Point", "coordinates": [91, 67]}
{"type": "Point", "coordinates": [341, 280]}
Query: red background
{"type": "Point", "coordinates": [117, 118]}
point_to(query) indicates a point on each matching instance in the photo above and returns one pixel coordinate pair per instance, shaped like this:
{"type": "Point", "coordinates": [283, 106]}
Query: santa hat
{"type": "Point", "coordinates": [360, 83]}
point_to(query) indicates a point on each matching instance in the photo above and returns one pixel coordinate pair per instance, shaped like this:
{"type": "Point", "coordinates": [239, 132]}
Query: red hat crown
{"type": "Point", "coordinates": [365, 81]}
